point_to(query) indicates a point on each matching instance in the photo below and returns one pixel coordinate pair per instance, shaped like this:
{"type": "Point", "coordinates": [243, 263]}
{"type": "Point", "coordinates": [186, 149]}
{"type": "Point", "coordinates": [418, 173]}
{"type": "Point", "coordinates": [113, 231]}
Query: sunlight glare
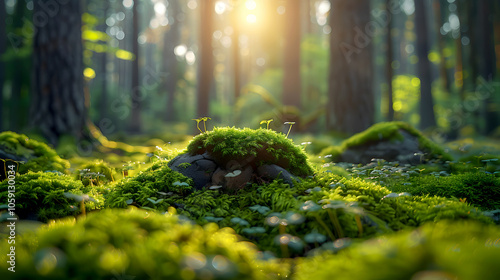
{"type": "Point", "coordinates": [251, 18]}
{"type": "Point", "coordinates": [180, 50]}
{"type": "Point", "coordinates": [192, 4]}
{"type": "Point", "coordinates": [250, 4]}
{"type": "Point", "coordinates": [220, 7]}
{"type": "Point", "coordinates": [128, 3]}
{"type": "Point", "coordinates": [324, 7]}
{"type": "Point", "coordinates": [281, 10]}
{"type": "Point", "coordinates": [160, 9]}
{"type": "Point", "coordinates": [190, 58]}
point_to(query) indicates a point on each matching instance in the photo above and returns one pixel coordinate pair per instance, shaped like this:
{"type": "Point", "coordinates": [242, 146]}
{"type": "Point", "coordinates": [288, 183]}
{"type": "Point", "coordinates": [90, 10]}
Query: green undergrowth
{"type": "Point", "coordinates": [37, 156]}
{"type": "Point", "coordinates": [478, 188]}
{"type": "Point", "coordinates": [387, 131]}
{"type": "Point", "coordinates": [326, 208]}
{"type": "Point", "coordinates": [268, 146]}
{"type": "Point", "coordinates": [157, 187]}
{"type": "Point", "coordinates": [95, 172]}
{"type": "Point", "coordinates": [443, 250]}
{"type": "Point", "coordinates": [135, 244]}
{"type": "Point", "coordinates": [46, 195]}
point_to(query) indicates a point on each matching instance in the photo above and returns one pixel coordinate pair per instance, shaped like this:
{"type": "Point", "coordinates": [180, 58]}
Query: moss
{"type": "Point", "coordinates": [341, 204]}
{"type": "Point", "coordinates": [98, 171]}
{"type": "Point", "coordinates": [125, 244]}
{"type": "Point", "coordinates": [387, 131]}
{"type": "Point", "coordinates": [157, 187]}
{"type": "Point", "coordinates": [39, 156]}
{"type": "Point", "coordinates": [44, 196]}
{"type": "Point", "coordinates": [444, 250]}
{"type": "Point", "coordinates": [478, 188]}
{"type": "Point", "coordinates": [266, 145]}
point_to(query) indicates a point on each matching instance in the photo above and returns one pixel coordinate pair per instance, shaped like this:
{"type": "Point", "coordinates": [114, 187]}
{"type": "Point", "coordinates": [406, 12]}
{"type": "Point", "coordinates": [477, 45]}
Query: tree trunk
{"type": "Point", "coordinates": [3, 45]}
{"type": "Point", "coordinates": [350, 95]}
{"type": "Point", "coordinates": [206, 71]}
{"type": "Point", "coordinates": [486, 65]}
{"type": "Point", "coordinates": [388, 66]}
{"type": "Point", "coordinates": [102, 72]}
{"type": "Point", "coordinates": [291, 95]}
{"type": "Point", "coordinates": [170, 40]}
{"type": "Point", "coordinates": [58, 102]}
{"type": "Point", "coordinates": [236, 53]}
{"type": "Point", "coordinates": [441, 45]}
{"type": "Point", "coordinates": [136, 94]}
{"type": "Point", "coordinates": [427, 118]}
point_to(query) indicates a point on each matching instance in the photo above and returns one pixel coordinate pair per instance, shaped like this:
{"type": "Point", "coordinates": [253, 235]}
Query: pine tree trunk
{"type": "Point", "coordinates": [206, 72]}
{"type": "Point", "coordinates": [427, 117]}
{"type": "Point", "coordinates": [58, 101]}
{"type": "Point", "coordinates": [136, 94]}
{"type": "Point", "coordinates": [291, 95]}
{"type": "Point", "coordinates": [388, 67]}
{"type": "Point", "coordinates": [170, 40]}
{"type": "Point", "coordinates": [3, 45]}
{"type": "Point", "coordinates": [350, 95]}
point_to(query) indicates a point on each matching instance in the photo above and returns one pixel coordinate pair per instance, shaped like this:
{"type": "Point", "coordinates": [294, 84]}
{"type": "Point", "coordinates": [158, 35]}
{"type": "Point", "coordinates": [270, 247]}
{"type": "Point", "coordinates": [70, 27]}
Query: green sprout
{"type": "Point", "coordinates": [290, 128]}
{"type": "Point", "coordinates": [204, 120]}
{"type": "Point", "coordinates": [267, 122]}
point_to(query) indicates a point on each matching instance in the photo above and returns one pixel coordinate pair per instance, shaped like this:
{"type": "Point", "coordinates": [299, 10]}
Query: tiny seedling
{"type": "Point", "coordinates": [290, 128]}
{"type": "Point", "coordinates": [267, 122]}
{"type": "Point", "coordinates": [204, 120]}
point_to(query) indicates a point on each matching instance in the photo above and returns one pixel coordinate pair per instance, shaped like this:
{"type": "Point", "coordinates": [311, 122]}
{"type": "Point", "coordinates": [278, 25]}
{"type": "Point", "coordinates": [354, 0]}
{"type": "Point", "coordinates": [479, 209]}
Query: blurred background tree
{"type": "Point", "coordinates": [150, 66]}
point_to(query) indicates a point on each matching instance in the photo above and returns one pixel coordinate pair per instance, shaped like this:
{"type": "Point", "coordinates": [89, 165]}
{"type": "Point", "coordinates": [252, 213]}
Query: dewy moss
{"type": "Point", "coordinates": [37, 156]}
{"type": "Point", "coordinates": [267, 146]}
{"type": "Point", "coordinates": [388, 131]}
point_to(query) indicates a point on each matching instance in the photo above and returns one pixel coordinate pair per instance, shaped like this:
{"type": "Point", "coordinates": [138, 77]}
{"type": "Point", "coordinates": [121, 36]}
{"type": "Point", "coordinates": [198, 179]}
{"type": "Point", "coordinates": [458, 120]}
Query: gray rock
{"type": "Point", "coordinates": [405, 151]}
{"type": "Point", "coordinates": [200, 168]}
{"type": "Point", "coordinates": [273, 171]}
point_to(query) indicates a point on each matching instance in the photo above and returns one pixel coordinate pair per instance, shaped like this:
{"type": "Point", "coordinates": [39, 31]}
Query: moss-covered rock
{"type": "Point", "coordinates": [234, 158]}
{"type": "Point", "coordinates": [35, 155]}
{"type": "Point", "coordinates": [46, 195]}
{"type": "Point", "coordinates": [126, 244]}
{"type": "Point", "coordinates": [97, 172]}
{"type": "Point", "coordinates": [264, 146]}
{"type": "Point", "coordinates": [444, 250]}
{"type": "Point", "coordinates": [392, 141]}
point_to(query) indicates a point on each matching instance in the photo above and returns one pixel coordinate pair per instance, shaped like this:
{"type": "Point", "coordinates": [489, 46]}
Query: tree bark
{"type": "Point", "coordinates": [206, 71]}
{"type": "Point", "coordinates": [441, 45]}
{"type": "Point", "coordinates": [3, 45]}
{"type": "Point", "coordinates": [170, 40]}
{"type": "Point", "coordinates": [236, 53]}
{"type": "Point", "coordinates": [58, 101]}
{"type": "Point", "coordinates": [350, 95]}
{"type": "Point", "coordinates": [136, 94]}
{"type": "Point", "coordinates": [291, 95]}
{"type": "Point", "coordinates": [388, 67]}
{"type": "Point", "coordinates": [427, 117]}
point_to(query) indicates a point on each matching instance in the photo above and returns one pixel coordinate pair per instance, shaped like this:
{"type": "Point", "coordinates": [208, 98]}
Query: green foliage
{"type": "Point", "coordinates": [330, 205]}
{"type": "Point", "coordinates": [136, 244]}
{"type": "Point", "coordinates": [478, 188]}
{"type": "Point", "coordinates": [443, 250]}
{"type": "Point", "coordinates": [388, 131]}
{"type": "Point", "coordinates": [97, 171]}
{"type": "Point", "coordinates": [40, 157]}
{"type": "Point", "coordinates": [267, 146]}
{"type": "Point", "coordinates": [46, 196]}
{"type": "Point", "coordinates": [157, 187]}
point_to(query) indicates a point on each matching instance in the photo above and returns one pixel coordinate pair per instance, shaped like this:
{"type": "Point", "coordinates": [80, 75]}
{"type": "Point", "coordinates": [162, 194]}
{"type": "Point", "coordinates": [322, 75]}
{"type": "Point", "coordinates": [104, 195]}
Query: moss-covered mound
{"type": "Point", "coordinates": [387, 140]}
{"type": "Point", "coordinates": [444, 250]}
{"type": "Point", "coordinates": [95, 172]}
{"type": "Point", "coordinates": [46, 195]}
{"type": "Point", "coordinates": [158, 187]}
{"type": "Point", "coordinates": [133, 244]}
{"type": "Point", "coordinates": [264, 145]}
{"type": "Point", "coordinates": [37, 156]}
{"type": "Point", "coordinates": [324, 209]}
{"type": "Point", "coordinates": [478, 188]}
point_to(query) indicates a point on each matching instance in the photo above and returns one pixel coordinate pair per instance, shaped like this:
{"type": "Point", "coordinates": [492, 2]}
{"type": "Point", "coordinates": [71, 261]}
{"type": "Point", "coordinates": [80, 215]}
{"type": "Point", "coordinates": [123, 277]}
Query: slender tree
{"type": "Point", "coordinates": [102, 60]}
{"type": "Point", "coordinates": [170, 40]}
{"type": "Point", "coordinates": [3, 45]}
{"type": "Point", "coordinates": [236, 52]}
{"type": "Point", "coordinates": [58, 101]}
{"type": "Point", "coordinates": [427, 117]}
{"type": "Point", "coordinates": [291, 73]}
{"type": "Point", "coordinates": [136, 94]}
{"type": "Point", "coordinates": [350, 96]}
{"type": "Point", "coordinates": [206, 71]}
{"type": "Point", "coordinates": [388, 66]}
